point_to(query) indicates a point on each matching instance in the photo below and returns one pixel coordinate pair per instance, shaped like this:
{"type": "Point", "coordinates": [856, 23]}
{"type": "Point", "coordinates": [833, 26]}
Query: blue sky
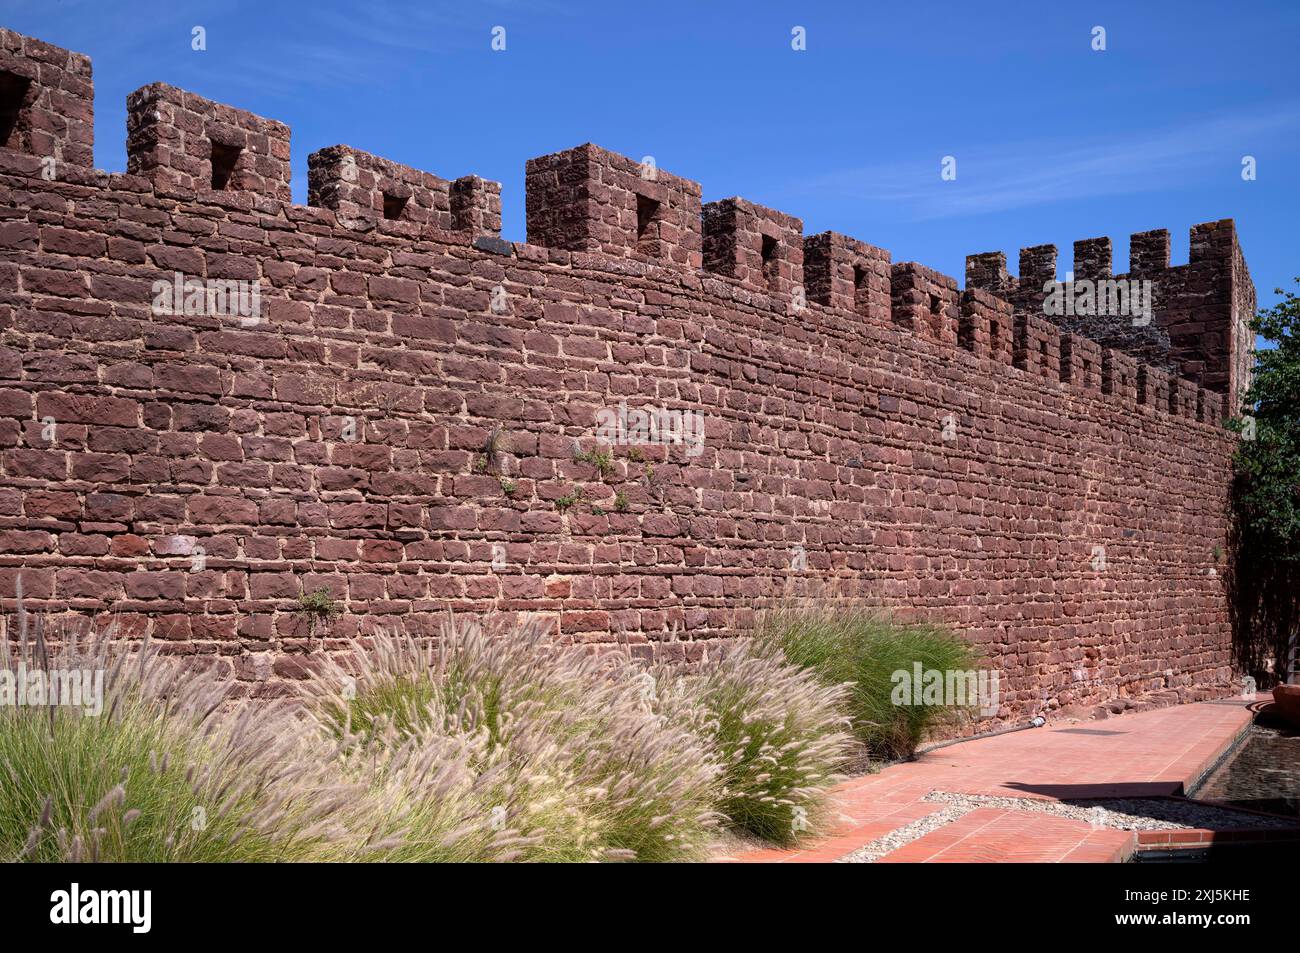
{"type": "Point", "coordinates": [1054, 141]}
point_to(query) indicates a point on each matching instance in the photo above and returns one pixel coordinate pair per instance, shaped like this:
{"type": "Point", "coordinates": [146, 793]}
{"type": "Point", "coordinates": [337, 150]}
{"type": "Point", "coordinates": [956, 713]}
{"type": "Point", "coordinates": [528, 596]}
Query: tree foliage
{"type": "Point", "coordinates": [1266, 494]}
{"type": "Point", "coordinates": [1268, 466]}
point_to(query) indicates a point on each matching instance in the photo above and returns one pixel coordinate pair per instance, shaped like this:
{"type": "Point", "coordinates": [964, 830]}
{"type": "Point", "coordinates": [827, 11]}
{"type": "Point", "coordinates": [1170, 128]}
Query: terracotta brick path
{"type": "Point", "coordinates": [1153, 753]}
{"type": "Point", "coordinates": [995, 836]}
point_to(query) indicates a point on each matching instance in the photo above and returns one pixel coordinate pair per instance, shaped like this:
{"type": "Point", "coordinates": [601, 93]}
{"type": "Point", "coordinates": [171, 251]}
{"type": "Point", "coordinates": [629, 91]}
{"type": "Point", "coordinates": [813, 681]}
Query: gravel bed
{"type": "Point", "coordinates": [1126, 814]}
{"type": "Point", "coordinates": [881, 846]}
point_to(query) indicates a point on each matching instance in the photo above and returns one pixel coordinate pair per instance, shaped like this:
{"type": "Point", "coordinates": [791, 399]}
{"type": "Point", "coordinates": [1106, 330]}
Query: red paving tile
{"type": "Point", "coordinates": [853, 832]}
{"type": "Point", "coordinates": [1152, 753]}
{"type": "Point", "coordinates": [995, 836]}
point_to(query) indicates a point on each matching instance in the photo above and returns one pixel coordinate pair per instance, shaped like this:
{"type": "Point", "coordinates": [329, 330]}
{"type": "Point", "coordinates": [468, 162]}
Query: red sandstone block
{"type": "Point", "coordinates": [155, 585]}
{"type": "Point", "coordinates": [584, 621]}
{"type": "Point", "coordinates": [172, 628]}
{"type": "Point", "coordinates": [60, 368]}
{"type": "Point", "coordinates": [221, 511]}
{"type": "Point", "coordinates": [88, 584]}
{"type": "Point", "coordinates": [37, 583]}
{"type": "Point", "coordinates": [356, 515]}
{"type": "Point", "coordinates": [89, 409]}
{"type": "Point", "coordinates": [130, 545]}
{"type": "Point", "coordinates": [38, 464]}
{"type": "Point", "coordinates": [274, 585]}
{"type": "Point", "coordinates": [381, 551]}
{"type": "Point", "coordinates": [109, 507]}
{"type": "Point", "coordinates": [76, 544]}
{"type": "Point", "coordinates": [451, 517]}
{"type": "Point", "coordinates": [63, 284]}
{"type": "Point", "coordinates": [55, 505]}
{"type": "Point", "coordinates": [395, 289]}
{"type": "Point", "coordinates": [63, 241]}
{"type": "Point", "coordinates": [16, 403]}
{"type": "Point", "coordinates": [25, 541]}
{"type": "Point", "coordinates": [19, 236]}
{"type": "Point", "coordinates": [189, 378]}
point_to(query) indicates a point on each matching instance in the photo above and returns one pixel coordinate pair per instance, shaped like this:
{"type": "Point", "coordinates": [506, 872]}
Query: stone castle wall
{"type": "Point", "coordinates": [411, 418]}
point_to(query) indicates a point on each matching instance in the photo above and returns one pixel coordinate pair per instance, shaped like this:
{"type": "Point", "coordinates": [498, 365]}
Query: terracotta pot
{"type": "Point", "coordinates": [1287, 700]}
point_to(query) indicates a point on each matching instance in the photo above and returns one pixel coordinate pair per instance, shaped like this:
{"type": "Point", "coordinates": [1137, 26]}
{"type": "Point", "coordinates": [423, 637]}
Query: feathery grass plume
{"type": "Point", "coordinates": [167, 769]}
{"type": "Point", "coordinates": [846, 641]}
{"type": "Point", "coordinates": [439, 795]}
{"type": "Point", "coordinates": [777, 731]}
{"type": "Point", "coordinates": [562, 757]}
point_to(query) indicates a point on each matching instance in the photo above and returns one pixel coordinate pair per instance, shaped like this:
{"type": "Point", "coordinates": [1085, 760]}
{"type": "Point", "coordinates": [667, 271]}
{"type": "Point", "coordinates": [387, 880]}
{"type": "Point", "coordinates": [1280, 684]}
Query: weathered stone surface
{"type": "Point", "coordinates": [412, 424]}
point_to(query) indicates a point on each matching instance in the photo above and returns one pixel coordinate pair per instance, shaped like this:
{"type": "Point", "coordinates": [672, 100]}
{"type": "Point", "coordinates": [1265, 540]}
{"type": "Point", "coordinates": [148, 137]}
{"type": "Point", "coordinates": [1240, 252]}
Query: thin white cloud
{"type": "Point", "coordinates": [1011, 175]}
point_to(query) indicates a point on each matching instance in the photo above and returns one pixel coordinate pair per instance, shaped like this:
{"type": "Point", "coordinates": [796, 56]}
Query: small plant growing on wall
{"type": "Point", "coordinates": [489, 458]}
{"type": "Point", "coordinates": [602, 460]}
{"type": "Point", "coordinates": [569, 499]}
{"type": "Point", "coordinates": [318, 607]}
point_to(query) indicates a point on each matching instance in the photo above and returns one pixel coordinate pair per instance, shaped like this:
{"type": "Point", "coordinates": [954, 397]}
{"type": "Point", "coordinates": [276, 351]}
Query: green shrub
{"type": "Point", "coordinates": [776, 730]}
{"type": "Point", "coordinates": [560, 752]}
{"type": "Point", "coordinates": [318, 606]}
{"type": "Point", "coordinates": [160, 767]}
{"type": "Point", "coordinates": [846, 643]}
{"type": "Point", "coordinates": [1263, 574]}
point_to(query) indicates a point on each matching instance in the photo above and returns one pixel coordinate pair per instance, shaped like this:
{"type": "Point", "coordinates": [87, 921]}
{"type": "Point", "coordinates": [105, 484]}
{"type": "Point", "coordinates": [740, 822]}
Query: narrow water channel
{"type": "Point", "coordinates": [1262, 775]}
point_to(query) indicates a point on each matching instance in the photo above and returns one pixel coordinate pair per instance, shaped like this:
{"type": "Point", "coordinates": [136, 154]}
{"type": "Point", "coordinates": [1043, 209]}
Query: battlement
{"type": "Point", "coordinates": [47, 101]}
{"type": "Point", "coordinates": [845, 274]}
{"type": "Point", "coordinates": [362, 188]}
{"type": "Point", "coordinates": [184, 143]}
{"type": "Point", "coordinates": [1190, 320]}
{"type": "Point", "coordinates": [590, 199]}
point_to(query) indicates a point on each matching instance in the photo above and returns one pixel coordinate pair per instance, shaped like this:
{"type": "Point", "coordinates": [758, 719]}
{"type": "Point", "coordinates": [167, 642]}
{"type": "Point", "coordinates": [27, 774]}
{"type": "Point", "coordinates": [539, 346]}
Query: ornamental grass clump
{"type": "Point", "coordinates": [561, 754]}
{"type": "Point", "coordinates": [778, 732]}
{"type": "Point", "coordinates": [153, 762]}
{"type": "Point", "coordinates": [863, 647]}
